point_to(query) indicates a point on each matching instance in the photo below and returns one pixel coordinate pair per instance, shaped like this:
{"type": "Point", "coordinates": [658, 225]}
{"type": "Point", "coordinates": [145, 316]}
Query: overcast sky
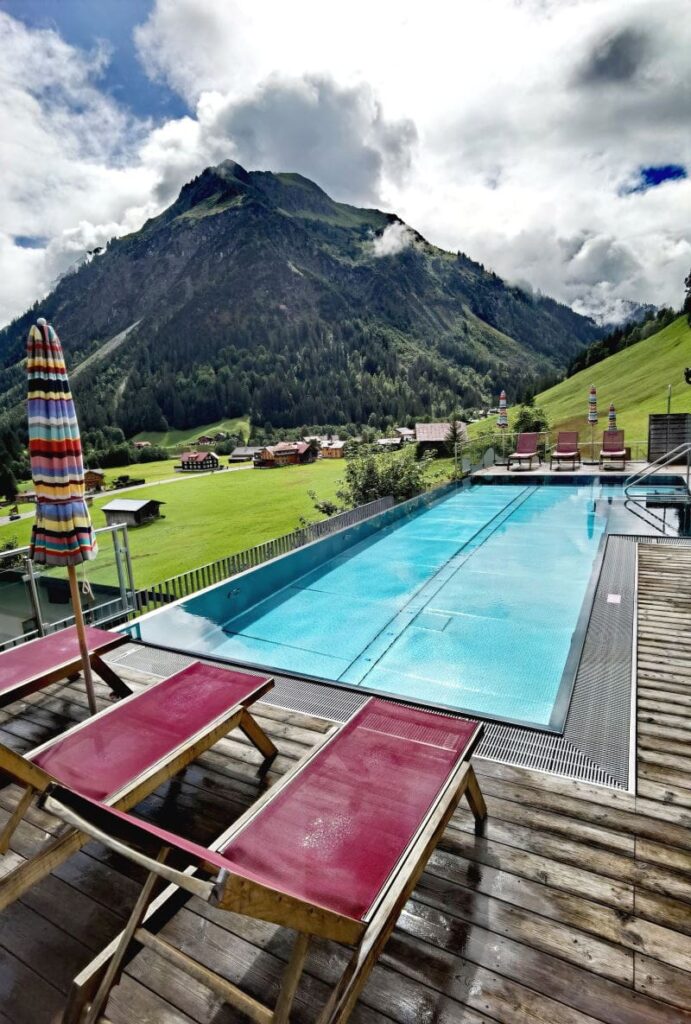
{"type": "Point", "coordinates": [549, 139]}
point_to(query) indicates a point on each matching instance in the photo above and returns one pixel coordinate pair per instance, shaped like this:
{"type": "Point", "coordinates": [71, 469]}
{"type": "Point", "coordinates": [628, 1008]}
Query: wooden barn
{"type": "Point", "coordinates": [131, 512]}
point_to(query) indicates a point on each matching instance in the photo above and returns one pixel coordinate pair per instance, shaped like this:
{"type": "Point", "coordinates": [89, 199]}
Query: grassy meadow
{"type": "Point", "coordinates": [210, 516]}
{"type": "Point", "coordinates": [207, 518]}
{"type": "Point", "coordinates": [635, 379]}
{"type": "Point", "coordinates": [176, 438]}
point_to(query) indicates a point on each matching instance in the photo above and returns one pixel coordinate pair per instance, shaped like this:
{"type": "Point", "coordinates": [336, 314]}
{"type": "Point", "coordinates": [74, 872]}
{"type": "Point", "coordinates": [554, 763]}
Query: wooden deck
{"type": "Point", "coordinates": [574, 908]}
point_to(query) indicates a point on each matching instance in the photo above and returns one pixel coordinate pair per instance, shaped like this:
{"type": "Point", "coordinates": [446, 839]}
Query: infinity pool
{"type": "Point", "coordinates": [471, 602]}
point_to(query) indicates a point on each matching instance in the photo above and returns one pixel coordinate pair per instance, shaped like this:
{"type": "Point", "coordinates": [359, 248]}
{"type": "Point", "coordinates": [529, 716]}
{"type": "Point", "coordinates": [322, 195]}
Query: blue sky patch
{"type": "Point", "coordinates": [651, 177]}
{"type": "Point", "coordinates": [85, 23]}
{"type": "Point", "coordinates": [30, 241]}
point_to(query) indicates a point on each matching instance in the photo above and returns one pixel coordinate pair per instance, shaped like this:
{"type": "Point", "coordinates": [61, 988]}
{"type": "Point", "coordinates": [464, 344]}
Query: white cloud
{"type": "Point", "coordinates": [507, 129]}
{"type": "Point", "coordinates": [394, 239]}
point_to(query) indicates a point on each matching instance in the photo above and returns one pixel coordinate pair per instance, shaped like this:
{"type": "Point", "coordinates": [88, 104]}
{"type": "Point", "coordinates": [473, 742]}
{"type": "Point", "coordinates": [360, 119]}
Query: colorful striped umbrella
{"type": "Point", "coordinates": [503, 417]}
{"type": "Point", "coordinates": [62, 533]}
{"type": "Point", "coordinates": [592, 405]}
{"type": "Point", "coordinates": [612, 417]}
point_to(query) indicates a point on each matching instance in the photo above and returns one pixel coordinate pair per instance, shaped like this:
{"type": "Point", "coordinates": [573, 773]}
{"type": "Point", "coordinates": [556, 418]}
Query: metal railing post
{"type": "Point", "coordinates": [121, 575]}
{"type": "Point", "coordinates": [33, 594]}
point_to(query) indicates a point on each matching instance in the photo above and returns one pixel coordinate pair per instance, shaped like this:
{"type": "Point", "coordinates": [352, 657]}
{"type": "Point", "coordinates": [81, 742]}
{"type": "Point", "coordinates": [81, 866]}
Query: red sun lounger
{"type": "Point", "coordinates": [567, 449]}
{"type": "Point", "coordinates": [123, 754]}
{"type": "Point", "coordinates": [333, 850]}
{"type": "Point", "coordinates": [32, 666]}
{"type": "Point", "coordinates": [613, 449]}
{"type": "Point", "coordinates": [526, 451]}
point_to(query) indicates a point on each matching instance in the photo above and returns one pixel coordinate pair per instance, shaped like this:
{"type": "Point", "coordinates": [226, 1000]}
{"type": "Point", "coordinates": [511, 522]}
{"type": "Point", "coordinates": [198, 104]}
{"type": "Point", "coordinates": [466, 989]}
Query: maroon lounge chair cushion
{"type": "Point", "coordinates": [526, 447]}
{"type": "Point", "coordinates": [30, 666]}
{"type": "Point", "coordinates": [333, 835]}
{"type": "Point", "coordinates": [104, 754]}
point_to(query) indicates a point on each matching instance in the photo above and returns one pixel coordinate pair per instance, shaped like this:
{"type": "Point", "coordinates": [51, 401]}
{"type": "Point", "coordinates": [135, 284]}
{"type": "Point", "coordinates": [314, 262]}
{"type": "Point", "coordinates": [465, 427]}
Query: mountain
{"type": "Point", "coordinates": [257, 293]}
{"type": "Point", "coordinates": [635, 379]}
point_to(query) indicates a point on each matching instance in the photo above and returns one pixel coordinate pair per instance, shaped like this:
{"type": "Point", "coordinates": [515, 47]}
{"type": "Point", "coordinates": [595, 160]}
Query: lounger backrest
{"type": "Point", "coordinates": [526, 444]}
{"type": "Point", "coordinates": [567, 441]}
{"type": "Point", "coordinates": [613, 441]}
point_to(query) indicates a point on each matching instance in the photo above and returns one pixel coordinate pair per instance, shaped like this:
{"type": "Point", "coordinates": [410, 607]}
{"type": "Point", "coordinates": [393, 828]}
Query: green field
{"type": "Point", "coordinates": [208, 518]}
{"type": "Point", "coordinates": [175, 438]}
{"type": "Point", "coordinates": [151, 472]}
{"type": "Point", "coordinates": [635, 379]}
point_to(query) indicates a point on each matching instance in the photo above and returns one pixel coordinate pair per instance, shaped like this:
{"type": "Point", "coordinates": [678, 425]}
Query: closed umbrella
{"type": "Point", "coordinates": [503, 420]}
{"type": "Point", "coordinates": [592, 418]}
{"type": "Point", "coordinates": [612, 417]}
{"type": "Point", "coordinates": [503, 417]}
{"type": "Point", "coordinates": [62, 533]}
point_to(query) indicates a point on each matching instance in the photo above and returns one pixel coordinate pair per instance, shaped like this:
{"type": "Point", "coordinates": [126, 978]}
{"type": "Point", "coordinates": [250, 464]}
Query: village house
{"type": "Point", "coordinates": [388, 444]}
{"type": "Point", "coordinates": [94, 479]}
{"type": "Point", "coordinates": [142, 444]}
{"type": "Point", "coordinates": [333, 450]}
{"type": "Point", "coordinates": [205, 439]}
{"type": "Point", "coordinates": [321, 439]}
{"type": "Point", "coordinates": [285, 453]}
{"type": "Point", "coordinates": [244, 453]}
{"type": "Point", "coordinates": [192, 462]}
{"type": "Point", "coordinates": [405, 433]}
{"type": "Point", "coordinates": [435, 436]}
{"type": "Point", "coordinates": [131, 512]}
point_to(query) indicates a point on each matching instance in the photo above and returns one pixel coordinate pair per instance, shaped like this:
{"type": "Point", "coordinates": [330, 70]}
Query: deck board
{"type": "Point", "coordinates": [573, 908]}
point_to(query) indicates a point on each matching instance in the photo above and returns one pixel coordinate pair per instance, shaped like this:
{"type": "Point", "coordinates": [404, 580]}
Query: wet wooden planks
{"type": "Point", "coordinates": [574, 907]}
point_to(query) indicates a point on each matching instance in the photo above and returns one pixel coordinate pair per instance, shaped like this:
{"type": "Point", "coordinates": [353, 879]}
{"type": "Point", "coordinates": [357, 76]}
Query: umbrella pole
{"type": "Point", "coordinates": [81, 635]}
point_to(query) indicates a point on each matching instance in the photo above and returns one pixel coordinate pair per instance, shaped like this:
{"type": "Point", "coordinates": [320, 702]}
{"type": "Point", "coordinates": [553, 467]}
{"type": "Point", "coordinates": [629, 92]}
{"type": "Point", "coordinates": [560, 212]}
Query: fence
{"type": "Point", "coordinates": [189, 582]}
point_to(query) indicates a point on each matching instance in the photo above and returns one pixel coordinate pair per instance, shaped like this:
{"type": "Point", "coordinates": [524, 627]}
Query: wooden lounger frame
{"type": "Point", "coordinates": [36, 781]}
{"type": "Point", "coordinates": [90, 989]}
{"type": "Point", "coordinates": [67, 669]}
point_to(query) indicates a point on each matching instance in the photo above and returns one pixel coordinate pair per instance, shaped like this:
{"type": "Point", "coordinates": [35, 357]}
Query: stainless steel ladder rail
{"type": "Point", "coordinates": [635, 479]}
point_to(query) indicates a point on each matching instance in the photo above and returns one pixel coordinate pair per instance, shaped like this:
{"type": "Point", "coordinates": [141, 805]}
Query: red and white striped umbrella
{"type": "Point", "coordinates": [592, 405]}
{"type": "Point", "coordinates": [612, 417]}
{"type": "Point", "coordinates": [503, 417]}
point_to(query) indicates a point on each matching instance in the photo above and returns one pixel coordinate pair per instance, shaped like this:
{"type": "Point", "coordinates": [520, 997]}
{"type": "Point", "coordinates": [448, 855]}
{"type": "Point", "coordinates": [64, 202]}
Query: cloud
{"type": "Point", "coordinates": [518, 131]}
{"type": "Point", "coordinates": [615, 58]}
{"type": "Point", "coordinates": [394, 239]}
{"type": "Point", "coordinates": [338, 136]}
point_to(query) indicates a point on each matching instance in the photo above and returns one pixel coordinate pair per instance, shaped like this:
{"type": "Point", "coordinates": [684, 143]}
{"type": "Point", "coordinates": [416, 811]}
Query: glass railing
{"type": "Point", "coordinates": [35, 599]}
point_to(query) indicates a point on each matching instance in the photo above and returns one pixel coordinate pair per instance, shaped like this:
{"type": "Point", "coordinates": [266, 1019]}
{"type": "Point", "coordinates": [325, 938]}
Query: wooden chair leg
{"type": "Point", "coordinates": [291, 978]}
{"type": "Point", "coordinates": [113, 680]}
{"type": "Point", "coordinates": [110, 977]}
{"type": "Point", "coordinates": [17, 882]}
{"type": "Point", "coordinates": [475, 798]}
{"type": "Point", "coordinates": [256, 735]}
{"type": "Point", "coordinates": [17, 815]}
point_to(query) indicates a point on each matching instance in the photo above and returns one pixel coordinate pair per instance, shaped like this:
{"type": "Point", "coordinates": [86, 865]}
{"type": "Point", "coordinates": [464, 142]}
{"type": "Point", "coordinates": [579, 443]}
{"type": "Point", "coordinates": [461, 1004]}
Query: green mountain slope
{"type": "Point", "coordinates": [256, 293]}
{"type": "Point", "coordinates": [635, 379]}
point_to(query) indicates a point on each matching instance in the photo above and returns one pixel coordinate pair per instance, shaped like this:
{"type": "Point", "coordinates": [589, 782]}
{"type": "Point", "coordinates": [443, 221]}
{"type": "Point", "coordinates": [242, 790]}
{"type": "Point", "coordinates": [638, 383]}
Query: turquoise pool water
{"type": "Point", "coordinates": [470, 603]}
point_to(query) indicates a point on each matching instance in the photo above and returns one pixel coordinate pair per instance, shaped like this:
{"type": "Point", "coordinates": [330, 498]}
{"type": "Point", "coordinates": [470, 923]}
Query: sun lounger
{"type": "Point", "coordinates": [34, 665]}
{"type": "Point", "coordinates": [121, 755]}
{"type": "Point", "coordinates": [613, 449]}
{"type": "Point", "coordinates": [526, 450]}
{"type": "Point", "coordinates": [333, 851]}
{"type": "Point", "coordinates": [567, 449]}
